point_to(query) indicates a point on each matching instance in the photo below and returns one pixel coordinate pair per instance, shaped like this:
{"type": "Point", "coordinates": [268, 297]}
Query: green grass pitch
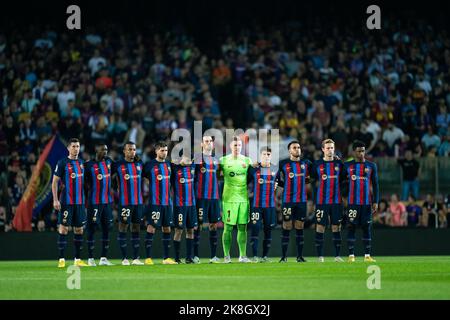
{"type": "Point", "coordinates": [406, 277]}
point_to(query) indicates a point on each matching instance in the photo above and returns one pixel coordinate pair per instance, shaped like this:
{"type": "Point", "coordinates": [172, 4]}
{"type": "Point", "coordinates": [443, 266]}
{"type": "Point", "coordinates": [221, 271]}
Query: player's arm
{"type": "Point", "coordinates": [279, 179]}
{"type": "Point", "coordinates": [56, 177]}
{"type": "Point", "coordinates": [375, 188]}
{"type": "Point", "coordinates": [308, 176]}
{"type": "Point", "coordinates": [87, 180]}
{"type": "Point", "coordinates": [344, 180]}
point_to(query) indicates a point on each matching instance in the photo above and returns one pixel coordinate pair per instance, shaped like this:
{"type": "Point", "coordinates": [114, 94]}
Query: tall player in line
{"type": "Point", "coordinates": [207, 194]}
{"type": "Point", "coordinates": [185, 214]}
{"type": "Point", "coordinates": [329, 174]}
{"type": "Point", "coordinates": [362, 199]}
{"type": "Point", "coordinates": [159, 211]}
{"type": "Point", "coordinates": [293, 175]}
{"type": "Point", "coordinates": [263, 204]}
{"type": "Point", "coordinates": [70, 207]}
{"type": "Point", "coordinates": [99, 202]}
{"type": "Point", "coordinates": [129, 175]}
{"type": "Point", "coordinates": [235, 203]}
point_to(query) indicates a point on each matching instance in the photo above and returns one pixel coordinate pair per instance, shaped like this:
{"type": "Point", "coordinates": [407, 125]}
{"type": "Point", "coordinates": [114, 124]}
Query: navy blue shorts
{"type": "Point", "coordinates": [72, 215]}
{"type": "Point", "coordinates": [326, 212]}
{"type": "Point", "coordinates": [267, 216]}
{"type": "Point", "coordinates": [293, 211]}
{"type": "Point", "coordinates": [208, 210]}
{"type": "Point", "coordinates": [185, 217]}
{"type": "Point", "coordinates": [157, 216]}
{"type": "Point", "coordinates": [359, 214]}
{"type": "Point", "coordinates": [131, 214]}
{"type": "Point", "coordinates": [99, 213]}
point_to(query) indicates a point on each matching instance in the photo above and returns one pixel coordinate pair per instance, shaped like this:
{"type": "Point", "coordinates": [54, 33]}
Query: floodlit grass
{"type": "Point", "coordinates": [418, 277]}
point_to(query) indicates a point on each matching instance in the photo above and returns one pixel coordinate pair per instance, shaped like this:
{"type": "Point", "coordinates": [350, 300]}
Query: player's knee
{"type": "Point", "coordinates": [299, 224]}
{"type": "Point", "coordinates": [335, 228]}
{"type": "Point", "coordinates": [63, 230]}
{"type": "Point", "coordinates": [123, 227]}
{"type": "Point", "coordinates": [135, 227]}
{"type": "Point", "coordinates": [320, 228]}
{"type": "Point", "coordinates": [190, 233]}
{"type": "Point", "coordinates": [150, 229]}
{"type": "Point", "coordinates": [78, 230]}
{"type": "Point", "coordinates": [213, 227]}
{"type": "Point", "coordinates": [287, 225]}
{"type": "Point", "coordinates": [166, 229]}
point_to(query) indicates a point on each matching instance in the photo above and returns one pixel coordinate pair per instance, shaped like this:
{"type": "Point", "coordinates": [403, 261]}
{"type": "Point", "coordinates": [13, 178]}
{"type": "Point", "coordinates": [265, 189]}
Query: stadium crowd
{"type": "Point", "coordinates": [389, 90]}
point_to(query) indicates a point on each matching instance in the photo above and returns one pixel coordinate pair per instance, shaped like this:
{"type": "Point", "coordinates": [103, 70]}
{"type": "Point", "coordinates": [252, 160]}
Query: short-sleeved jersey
{"type": "Point", "coordinates": [292, 178]}
{"type": "Point", "coordinates": [235, 177]}
{"type": "Point", "coordinates": [363, 182]}
{"type": "Point", "coordinates": [206, 184]}
{"type": "Point", "coordinates": [158, 174]}
{"type": "Point", "coordinates": [71, 173]}
{"type": "Point", "coordinates": [98, 181]}
{"type": "Point", "coordinates": [183, 185]}
{"type": "Point", "coordinates": [263, 186]}
{"type": "Point", "coordinates": [129, 175]}
{"type": "Point", "coordinates": [329, 175]}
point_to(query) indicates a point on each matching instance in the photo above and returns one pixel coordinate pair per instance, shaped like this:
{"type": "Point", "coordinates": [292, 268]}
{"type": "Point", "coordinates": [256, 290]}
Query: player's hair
{"type": "Point", "coordinates": [236, 138]}
{"type": "Point", "coordinates": [207, 135]}
{"type": "Point", "coordinates": [160, 144]}
{"type": "Point", "coordinates": [358, 144]}
{"type": "Point", "coordinates": [265, 149]}
{"type": "Point", "coordinates": [293, 142]}
{"type": "Point", "coordinates": [324, 142]}
{"type": "Point", "coordinates": [73, 140]}
{"type": "Point", "coordinates": [131, 143]}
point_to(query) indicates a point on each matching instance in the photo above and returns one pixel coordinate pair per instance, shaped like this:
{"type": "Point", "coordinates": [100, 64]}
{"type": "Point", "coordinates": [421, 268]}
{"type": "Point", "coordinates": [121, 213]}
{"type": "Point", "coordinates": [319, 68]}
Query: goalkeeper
{"type": "Point", "coordinates": [235, 203]}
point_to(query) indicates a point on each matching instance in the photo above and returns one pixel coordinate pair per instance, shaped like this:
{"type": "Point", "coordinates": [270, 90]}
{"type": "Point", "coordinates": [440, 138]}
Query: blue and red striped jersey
{"type": "Point", "coordinates": [361, 177]}
{"type": "Point", "coordinates": [129, 175]}
{"type": "Point", "coordinates": [183, 185]}
{"type": "Point", "coordinates": [292, 178]}
{"type": "Point", "coordinates": [206, 183]}
{"type": "Point", "coordinates": [263, 186]}
{"type": "Point", "coordinates": [329, 175]}
{"type": "Point", "coordinates": [158, 174]}
{"type": "Point", "coordinates": [71, 173]}
{"type": "Point", "coordinates": [98, 181]}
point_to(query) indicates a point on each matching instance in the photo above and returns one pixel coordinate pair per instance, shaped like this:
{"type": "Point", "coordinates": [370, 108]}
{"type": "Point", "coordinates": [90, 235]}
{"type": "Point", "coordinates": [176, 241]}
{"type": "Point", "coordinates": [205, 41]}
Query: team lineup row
{"type": "Point", "coordinates": [185, 194]}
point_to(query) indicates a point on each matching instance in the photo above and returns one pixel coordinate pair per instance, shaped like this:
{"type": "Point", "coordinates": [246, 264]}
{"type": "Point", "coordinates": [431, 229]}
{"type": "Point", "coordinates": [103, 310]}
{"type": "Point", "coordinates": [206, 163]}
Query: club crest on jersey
{"type": "Point", "coordinates": [353, 177]}
{"type": "Point", "coordinates": [203, 170]}
{"type": "Point", "coordinates": [291, 175]}
{"type": "Point", "coordinates": [260, 181]}
{"type": "Point", "coordinates": [99, 176]}
{"type": "Point", "coordinates": [127, 177]}
{"type": "Point", "coordinates": [324, 177]}
{"type": "Point", "coordinates": [182, 180]}
{"type": "Point", "coordinates": [366, 170]}
{"type": "Point", "coordinates": [159, 177]}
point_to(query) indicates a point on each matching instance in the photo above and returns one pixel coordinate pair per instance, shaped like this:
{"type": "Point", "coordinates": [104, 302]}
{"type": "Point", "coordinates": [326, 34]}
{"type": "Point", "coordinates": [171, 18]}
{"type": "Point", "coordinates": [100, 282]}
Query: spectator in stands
{"type": "Point", "coordinates": [392, 136]}
{"type": "Point", "coordinates": [398, 214]}
{"type": "Point", "coordinates": [430, 211]}
{"type": "Point", "coordinates": [430, 139]}
{"type": "Point", "coordinates": [381, 217]}
{"type": "Point", "coordinates": [414, 212]}
{"type": "Point", "coordinates": [410, 174]}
